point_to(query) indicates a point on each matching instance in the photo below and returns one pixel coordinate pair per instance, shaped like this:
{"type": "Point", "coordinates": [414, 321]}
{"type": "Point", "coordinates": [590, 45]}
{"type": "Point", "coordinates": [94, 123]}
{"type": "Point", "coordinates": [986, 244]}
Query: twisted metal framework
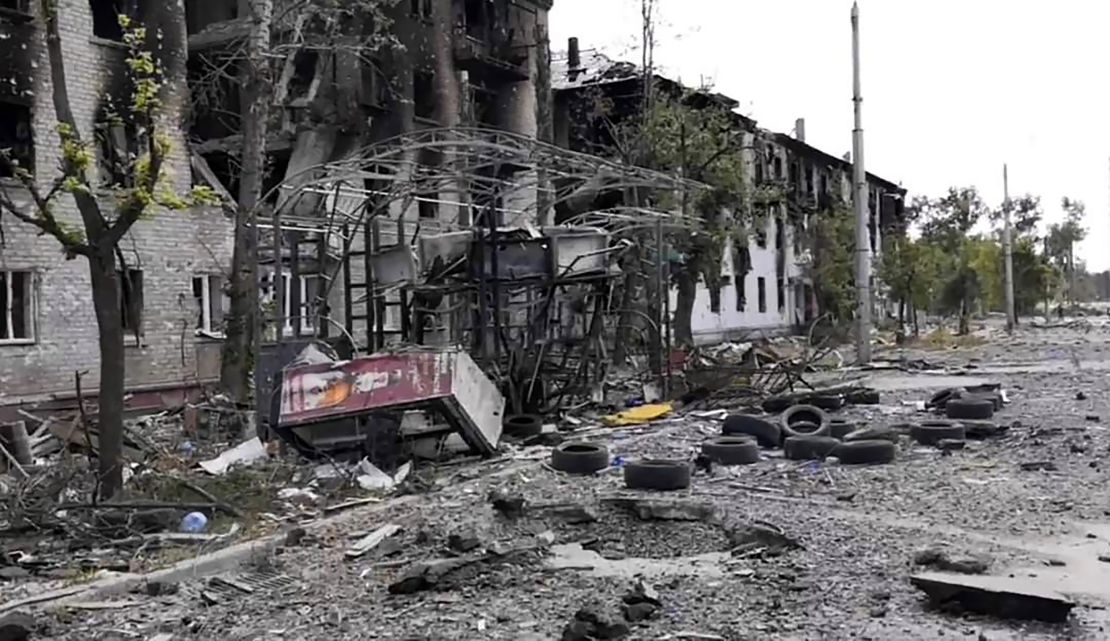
{"type": "Point", "coordinates": [489, 182]}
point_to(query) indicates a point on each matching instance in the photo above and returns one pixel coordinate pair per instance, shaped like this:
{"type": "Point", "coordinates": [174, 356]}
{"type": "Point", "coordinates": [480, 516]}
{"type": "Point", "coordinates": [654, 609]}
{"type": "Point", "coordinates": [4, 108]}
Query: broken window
{"type": "Point", "coordinates": [211, 302]}
{"type": "Point", "coordinates": [715, 300]}
{"type": "Point", "coordinates": [741, 294]}
{"type": "Point", "coordinates": [424, 94]}
{"type": "Point", "coordinates": [116, 146]}
{"type": "Point", "coordinates": [421, 9]}
{"type": "Point", "coordinates": [15, 138]}
{"type": "Point", "coordinates": [308, 287]}
{"type": "Point", "coordinates": [808, 177]}
{"type": "Point", "coordinates": [780, 291]}
{"type": "Point", "coordinates": [16, 307]}
{"type": "Point", "coordinates": [761, 285]}
{"type": "Point", "coordinates": [776, 165]}
{"type": "Point", "coordinates": [131, 300]}
{"type": "Point", "coordinates": [374, 89]}
{"type": "Point", "coordinates": [761, 238]}
{"type": "Point", "coordinates": [201, 13]}
{"type": "Point", "coordinates": [427, 205]}
{"type": "Point", "coordinates": [780, 234]}
{"type": "Point", "coordinates": [16, 6]}
{"type": "Point", "coordinates": [106, 13]}
{"type": "Point", "coordinates": [477, 18]}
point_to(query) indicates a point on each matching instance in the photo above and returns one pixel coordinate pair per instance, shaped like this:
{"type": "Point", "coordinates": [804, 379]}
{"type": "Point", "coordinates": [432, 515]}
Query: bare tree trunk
{"type": "Point", "coordinates": [109, 321]}
{"type": "Point", "coordinates": [237, 362]}
{"type": "Point", "coordinates": [913, 314]}
{"type": "Point", "coordinates": [687, 286]}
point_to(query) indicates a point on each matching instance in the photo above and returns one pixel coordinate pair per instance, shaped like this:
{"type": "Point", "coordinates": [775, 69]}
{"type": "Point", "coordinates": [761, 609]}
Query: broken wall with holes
{"type": "Point", "coordinates": [49, 330]}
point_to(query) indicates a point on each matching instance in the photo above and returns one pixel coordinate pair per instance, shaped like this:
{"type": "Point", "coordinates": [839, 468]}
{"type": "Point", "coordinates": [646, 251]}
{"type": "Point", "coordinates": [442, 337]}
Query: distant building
{"type": "Point", "coordinates": [768, 287]}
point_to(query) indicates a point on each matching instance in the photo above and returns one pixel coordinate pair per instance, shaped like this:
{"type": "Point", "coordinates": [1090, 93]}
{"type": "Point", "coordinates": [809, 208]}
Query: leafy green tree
{"type": "Point", "coordinates": [1062, 239]}
{"type": "Point", "coordinates": [910, 268]}
{"type": "Point", "coordinates": [947, 223]}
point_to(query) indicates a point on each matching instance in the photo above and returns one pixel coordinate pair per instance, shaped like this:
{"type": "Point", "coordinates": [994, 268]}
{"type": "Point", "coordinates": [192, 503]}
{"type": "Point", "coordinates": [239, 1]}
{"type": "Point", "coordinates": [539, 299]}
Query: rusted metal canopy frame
{"type": "Point", "coordinates": [472, 168]}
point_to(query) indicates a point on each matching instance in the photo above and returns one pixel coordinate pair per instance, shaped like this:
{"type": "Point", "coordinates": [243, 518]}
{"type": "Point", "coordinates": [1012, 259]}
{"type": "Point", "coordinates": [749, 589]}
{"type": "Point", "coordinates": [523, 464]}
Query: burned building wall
{"type": "Point", "coordinates": [59, 332]}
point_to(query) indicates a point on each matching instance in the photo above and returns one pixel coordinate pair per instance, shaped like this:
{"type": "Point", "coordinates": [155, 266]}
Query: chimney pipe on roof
{"type": "Point", "coordinates": [574, 61]}
{"type": "Point", "coordinates": [800, 129]}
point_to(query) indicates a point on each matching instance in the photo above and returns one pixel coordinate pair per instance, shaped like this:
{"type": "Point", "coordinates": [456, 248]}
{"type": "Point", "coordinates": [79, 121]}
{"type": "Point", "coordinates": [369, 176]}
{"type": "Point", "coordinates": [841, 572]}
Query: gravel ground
{"type": "Point", "coordinates": [860, 528]}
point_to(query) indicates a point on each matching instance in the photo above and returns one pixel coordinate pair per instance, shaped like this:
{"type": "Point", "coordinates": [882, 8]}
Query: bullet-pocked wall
{"type": "Point", "coordinates": [49, 330]}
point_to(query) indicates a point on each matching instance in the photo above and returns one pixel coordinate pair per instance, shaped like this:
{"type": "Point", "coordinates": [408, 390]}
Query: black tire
{"type": "Point", "coordinates": [799, 415]}
{"type": "Point", "coordinates": [776, 404]}
{"type": "Point", "coordinates": [827, 402]}
{"type": "Point", "coordinates": [873, 433]}
{"type": "Point", "coordinates": [731, 450]}
{"type": "Point", "coordinates": [941, 398]}
{"type": "Point", "coordinates": [931, 432]}
{"type": "Point", "coordinates": [523, 425]}
{"type": "Point", "coordinates": [981, 430]}
{"type": "Point", "coordinates": [840, 427]}
{"type": "Point", "coordinates": [994, 397]}
{"type": "Point", "coordinates": [863, 452]}
{"type": "Point", "coordinates": [765, 432]}
{"type": "Point", "coordinates": [580, 458]}
{"type": "Point", "coordinates": [863, 397]}
{"type": "Point", "coordinates": [969, 408]}
{"type": "Point", "coordinates": [657, 474]}
{"type": "Point", "coordinates": [809, 448]}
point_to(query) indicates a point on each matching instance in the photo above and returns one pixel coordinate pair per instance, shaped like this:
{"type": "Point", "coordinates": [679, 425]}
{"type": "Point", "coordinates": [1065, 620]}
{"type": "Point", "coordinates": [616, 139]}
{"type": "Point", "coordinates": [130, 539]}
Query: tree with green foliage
{"type": "Point", "coordinates": [947, 223]}
{"type": "Point", "coordinates": [910, 269]}
{"type": "Point", "coordinates": [1062, 239]}
{"type": "Point", "coordinates": [104, 220]}
{"type": "Point", "coordinates": [703, 143]}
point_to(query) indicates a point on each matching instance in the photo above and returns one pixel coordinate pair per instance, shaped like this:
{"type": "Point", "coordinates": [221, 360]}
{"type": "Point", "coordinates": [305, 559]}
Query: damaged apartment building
{"type": "Point", "coordinates": [437, 64]}
{"type": "Point", "coordinates": [767, 286]}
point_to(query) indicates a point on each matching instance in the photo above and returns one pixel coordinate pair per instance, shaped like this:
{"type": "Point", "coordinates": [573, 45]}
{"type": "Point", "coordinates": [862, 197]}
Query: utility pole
{"type": "Point", "coordinates": [1008, 248]}
{"type": "Point", "coordinates": [859, 199]}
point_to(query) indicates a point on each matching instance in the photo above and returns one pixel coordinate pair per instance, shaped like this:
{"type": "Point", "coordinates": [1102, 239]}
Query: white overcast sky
{"type": "Point", "coordinates": [952, 88]}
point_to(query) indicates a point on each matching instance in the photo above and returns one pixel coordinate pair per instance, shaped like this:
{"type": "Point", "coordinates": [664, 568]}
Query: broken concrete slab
{"type": "Point", "coordinates": [569, 513]}
{"type": "Point", "coordinates": [592, 623]}
{"type": "Point", "coordinates": [1001, 597]}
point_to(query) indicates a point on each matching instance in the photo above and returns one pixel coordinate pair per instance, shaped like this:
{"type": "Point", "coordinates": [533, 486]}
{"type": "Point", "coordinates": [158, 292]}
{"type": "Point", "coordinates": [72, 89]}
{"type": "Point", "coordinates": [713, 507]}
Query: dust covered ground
{"type": "Point", "coordinates": [859, 528]}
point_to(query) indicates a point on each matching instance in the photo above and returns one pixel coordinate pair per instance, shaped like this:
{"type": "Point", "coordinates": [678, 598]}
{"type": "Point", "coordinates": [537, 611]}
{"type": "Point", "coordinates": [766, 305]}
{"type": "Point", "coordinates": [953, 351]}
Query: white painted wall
{"type": "Point", "coordinates": [711, 327]}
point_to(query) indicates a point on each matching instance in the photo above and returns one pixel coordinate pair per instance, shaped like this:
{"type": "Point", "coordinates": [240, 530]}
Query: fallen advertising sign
{"type": "Point", "coordinates": [447, 381]}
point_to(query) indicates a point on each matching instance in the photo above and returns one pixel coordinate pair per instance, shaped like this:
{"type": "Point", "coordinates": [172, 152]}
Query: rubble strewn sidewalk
{"type": "Point", "coordinates": [512, 548]}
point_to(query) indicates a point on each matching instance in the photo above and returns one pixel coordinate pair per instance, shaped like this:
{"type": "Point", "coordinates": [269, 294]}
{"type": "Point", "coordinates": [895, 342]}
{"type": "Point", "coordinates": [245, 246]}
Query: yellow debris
{"type": "Point", "coordinates": [638, 415]}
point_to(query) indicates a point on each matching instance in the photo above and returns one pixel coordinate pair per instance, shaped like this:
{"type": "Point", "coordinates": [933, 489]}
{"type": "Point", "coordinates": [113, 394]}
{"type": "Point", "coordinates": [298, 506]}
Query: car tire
{"type": "Point", "coordinates": [657, 474]}
{"type": "Point", "coordinates": [827, 402]}
{"type": "Point", "coordinates": [864, 452]}
{"type": "Point", "coordinates": [809, 448]}
{"type": "Point", "coordinates": [523, 425]}
{"type": "Point", "coordinates": [803, 416]}
{"type": "Point", "coordinates": [969, 408]}
{"type": "Point", "coordinates": [932, 432]}
{"type": "Point", "coordinates": [863, 397]}
{"type": "Point", "coordinates": [580, 458]}
{"type": "Point", "coordinates": [731, 450]}
{"type": "Point", "coordinates": [766, 433]}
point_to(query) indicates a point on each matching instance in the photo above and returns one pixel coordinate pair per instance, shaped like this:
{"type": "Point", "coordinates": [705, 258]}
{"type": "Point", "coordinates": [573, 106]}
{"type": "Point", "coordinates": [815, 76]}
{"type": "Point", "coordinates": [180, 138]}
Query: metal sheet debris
{"type": "Point", "coordinates": [245, 453]}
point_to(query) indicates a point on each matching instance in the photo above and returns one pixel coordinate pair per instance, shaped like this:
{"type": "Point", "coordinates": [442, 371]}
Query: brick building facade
{"type": "Point", "coordinates": [50, 330]}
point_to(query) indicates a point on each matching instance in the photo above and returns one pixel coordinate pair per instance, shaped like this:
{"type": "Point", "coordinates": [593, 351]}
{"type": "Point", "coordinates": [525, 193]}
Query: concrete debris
{"type": "Point", "coordinates": [940, 559]}
{"type": "Point", "coordinates": [246, 453]}
{"type": "Point", "coordinates": [592, 623]}
{"type": "Point", "coordinates": [760, 540]}
{"type": "Point", "coordinates": [372, 540]}
{"type": "Point", "coordinates": [661, 510]}
{"type": "Point", "coordinates": [642, 592]}
{"type": "Point", "coordinates": [569, 513]}
{"type": "Point", "coordinates": [1001, 597]}
{"type": "Point", "coordinates": [1038, 466]}
{"type": "Point", "coordinates": [508, 505]}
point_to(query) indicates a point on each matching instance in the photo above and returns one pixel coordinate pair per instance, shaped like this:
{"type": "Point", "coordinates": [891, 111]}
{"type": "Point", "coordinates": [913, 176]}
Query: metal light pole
{"type": "Point", "coordinates": [859, 199]}
{"type": "Point", "coordinates": [1008, 248]}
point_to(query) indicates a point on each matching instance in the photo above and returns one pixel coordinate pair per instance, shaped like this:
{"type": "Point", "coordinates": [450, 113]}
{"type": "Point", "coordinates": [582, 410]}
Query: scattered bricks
{"type": "Point", "coordinates": [591, 623]}
{"type": "Point", "coordinates": [464, 542]}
